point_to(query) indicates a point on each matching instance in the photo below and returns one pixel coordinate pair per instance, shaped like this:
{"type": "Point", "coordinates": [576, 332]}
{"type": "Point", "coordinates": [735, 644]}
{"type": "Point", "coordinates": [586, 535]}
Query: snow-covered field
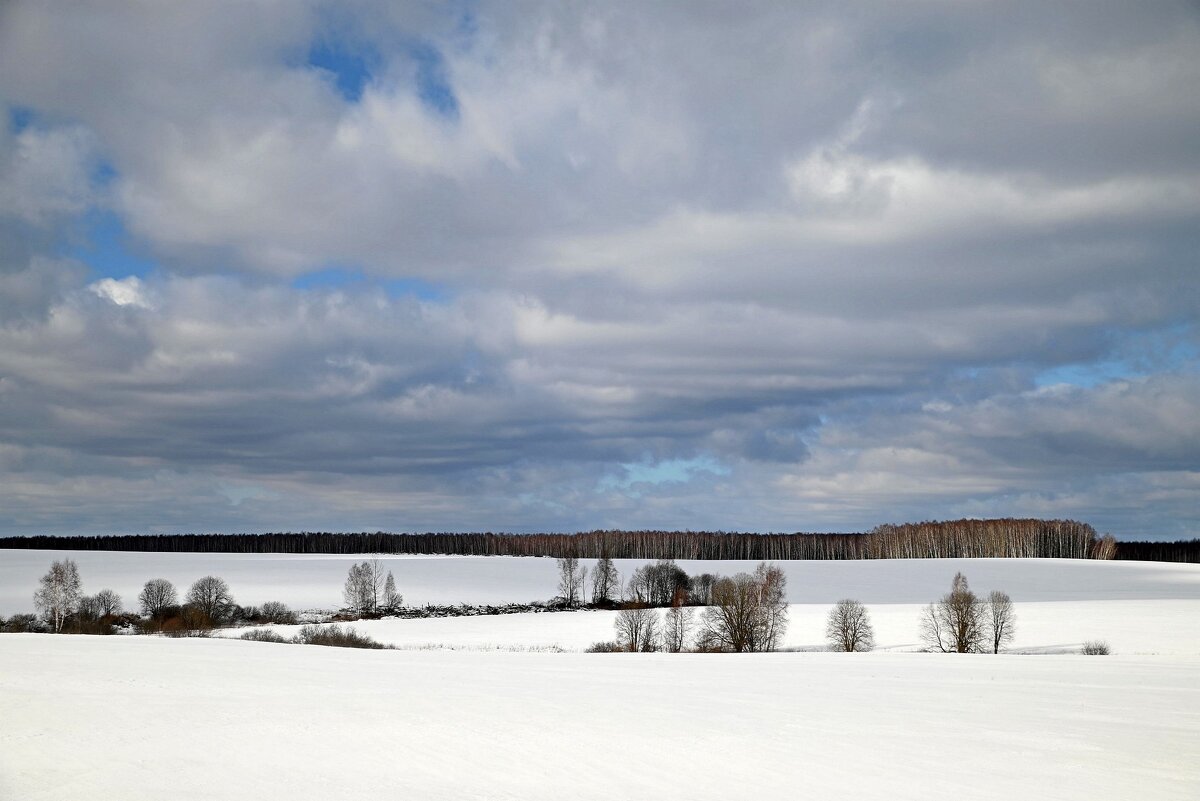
{"type": "Point", "coordinates": [461, 712]}
{"type": "Point", "coordinates": [315, 582]}
{"type": "Point", "coordinates": [1129, 627]}
{"type": "Point", "coordinates": [138, 717]}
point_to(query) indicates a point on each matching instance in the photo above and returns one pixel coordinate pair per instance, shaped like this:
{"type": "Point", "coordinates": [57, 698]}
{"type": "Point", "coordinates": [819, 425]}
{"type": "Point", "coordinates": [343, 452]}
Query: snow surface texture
{"type": "Point", "coordinates": [115, 718]}
{"type": "Point", "coordinates": [315, 581]}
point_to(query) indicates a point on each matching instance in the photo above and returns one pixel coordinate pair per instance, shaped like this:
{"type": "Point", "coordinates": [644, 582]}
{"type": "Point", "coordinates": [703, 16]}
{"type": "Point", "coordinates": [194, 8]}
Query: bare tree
{"type": "Point", "coordinates": [702, 585]}
{"type": "Point", "coordinates": [157, 595]}
{"type": "Point", "coordinates": [1003, 619]}
{"type": "Point", "coordinates": [772, 603]}
{"type": "Point", "coordinates": [359, 590]}
{"type": "Point", "coordinates": [957, 623]}
{"type": "Point", "coordinates": [391, 598]}
{"type": "Point", "coordinates": [277, 612]}
{"type": "Point", "coordinates": [109, 603]}
{"type": "Point", "coordinates": [606, 583]}
{"type": "Point", "coordinates": [849, 627]}
{"type": "Point", "coordinates": [677, 626]}
{"type": "Point", "coordinates": [210, 597]}
{"type": "Point", "coordinates": [569, 580]}
{"type": "Point", "coordinates": [636, 628]}
{"type": "Point", "coordinates": [58, 594]}
{"type": "Point", "coordinates": [373, 572]}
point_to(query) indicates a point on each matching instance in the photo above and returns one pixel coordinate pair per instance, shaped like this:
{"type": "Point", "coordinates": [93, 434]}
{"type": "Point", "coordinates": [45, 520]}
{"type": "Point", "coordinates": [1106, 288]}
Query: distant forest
{"type": "Point", "coordinates": [930, 540]}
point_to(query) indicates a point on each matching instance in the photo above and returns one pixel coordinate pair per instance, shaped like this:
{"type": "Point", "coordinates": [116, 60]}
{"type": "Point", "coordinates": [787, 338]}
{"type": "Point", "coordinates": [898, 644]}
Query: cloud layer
{"type": "Point", "coordinates": [547, 266]}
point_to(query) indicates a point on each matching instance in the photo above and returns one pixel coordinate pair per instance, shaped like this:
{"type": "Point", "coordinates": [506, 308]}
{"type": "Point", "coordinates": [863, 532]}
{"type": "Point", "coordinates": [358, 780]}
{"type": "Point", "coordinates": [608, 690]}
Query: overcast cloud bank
{"type": "Point", "coordinates": [552, 266]}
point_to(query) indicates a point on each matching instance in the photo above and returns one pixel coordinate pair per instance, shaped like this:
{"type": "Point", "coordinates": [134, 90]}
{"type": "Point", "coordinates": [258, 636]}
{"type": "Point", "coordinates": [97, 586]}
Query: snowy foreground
{"type": "Point", "coordinates": [125, 717]}
{"type": "Point", "coordinates": [485, 708]}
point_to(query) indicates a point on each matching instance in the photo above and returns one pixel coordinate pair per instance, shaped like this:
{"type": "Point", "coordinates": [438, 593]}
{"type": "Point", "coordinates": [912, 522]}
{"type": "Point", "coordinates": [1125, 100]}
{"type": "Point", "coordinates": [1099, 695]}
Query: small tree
{"type": "Point", "coordinates": [677, 626]}
{"type": "Point", "coordinates": [156, 596]}
{"type": "Point", "coordinates": [772, 603]}
{"type": "Point", "coordinates": [748, 612]}
{"type": "Point", "coordinates": [374, 576]}
{"type": "Point", "coordinates": [58, 594]}
{"type": "Point", "coordinates": [702, 585]}
{"type": "Point", "coordinates": [359, 592]}
{"type": "Point", "coordinates": [849, 627]}
{"type": "Point", "coordinates": [569, 580]}
{"type": "Point", "coordinates": [636, 628]}
{"type": "Point", "coordinates": [210, 597]}
{"type": "Point", "coordinates": [391, 598]}
{"type": "Point", "coordinates": [1003, 619]}
{"type": "Point", "coordinates": [606, 583]}
{"type": "Point", "coordinates": [277, 612]}
{"type": "Point", "coordinates": [957, 623]}
{"type": "Point", "coordinates": [109, 603]}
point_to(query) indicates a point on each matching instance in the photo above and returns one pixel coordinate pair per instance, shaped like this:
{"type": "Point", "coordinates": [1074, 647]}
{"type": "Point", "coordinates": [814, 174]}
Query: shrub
{"type": "Point", "coordinates": [263, 635]}
{"type": "Point", "coordinates": [276, 612]}
{"type": "Point", "coordinates": [608, 647]}
{"type": "Point", "coordinates": [21, 624]}
{"type": "Point", "coordinates": [336, 636]}
{"type": "Point", "coordinates": [1096, 648]}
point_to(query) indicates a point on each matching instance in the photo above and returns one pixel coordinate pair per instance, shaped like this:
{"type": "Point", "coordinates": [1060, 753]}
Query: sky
{"type": "Point", "coordinates": [523, 266]}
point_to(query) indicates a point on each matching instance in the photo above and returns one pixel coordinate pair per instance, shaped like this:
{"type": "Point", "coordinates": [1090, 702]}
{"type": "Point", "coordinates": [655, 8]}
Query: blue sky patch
{"type": "Point", "coordinates": [20, 118]}
{"type": "Point", "coordinates": [1085, 375]}
{"type": "Point", "coordinates": [667, 471]}
{"type": "Point", "coordinates": [433, 84]}
{"type": "Point", "coordinates": [105, 248]}
{"type": "Point", "coordinates": [351, 68]}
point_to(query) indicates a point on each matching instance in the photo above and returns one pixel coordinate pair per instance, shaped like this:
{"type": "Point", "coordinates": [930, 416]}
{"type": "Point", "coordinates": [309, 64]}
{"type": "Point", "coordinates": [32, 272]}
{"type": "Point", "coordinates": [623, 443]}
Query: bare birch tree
{"type": "Point", "coordinates": [1003, 619]}
{"type": "Point", "coordinates": [358, 593]}
{"type": "Point", "coordinates": [677, 626]}
{"type": "Point", "coordinates": [748, 612]}
{"type": "Point", "coordinates": [772, 589]}
{"type": "Point", "coordinates": [569, 580]}
{"type": "Point", "coordinates": [606, 583]}
{"type": "Point", "coordinates": [391, 598]}
{"type": "Point", "coordinates": [58, 593]}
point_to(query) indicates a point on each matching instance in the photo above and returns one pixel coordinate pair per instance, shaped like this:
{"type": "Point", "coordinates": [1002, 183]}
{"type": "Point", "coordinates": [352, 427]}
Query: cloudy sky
{"type": "Point", "coordinates": [562, 266]}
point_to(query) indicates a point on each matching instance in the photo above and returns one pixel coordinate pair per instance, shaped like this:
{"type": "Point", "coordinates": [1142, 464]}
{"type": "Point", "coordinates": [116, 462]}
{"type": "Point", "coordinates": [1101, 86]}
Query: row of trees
{"type": "Point", "coordinates": [962, 622]}
{"type": "Point", "coordinates": [62, 607]}
{"type": "Point", "coordinates": [368, 591]}
{"type": "Point", "coordinates": [661, 583]}
{"type": "Point", "coordinates": [748, 612]}
{"type": "Point", "coordinates": [957, 538]}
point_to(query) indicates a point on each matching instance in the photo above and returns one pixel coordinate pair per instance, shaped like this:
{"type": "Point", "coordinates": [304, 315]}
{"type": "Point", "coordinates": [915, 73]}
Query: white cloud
{"type": "Point", "coordinates": [828, 251]}
{"type": "Point", "coordinates": [127, 291]}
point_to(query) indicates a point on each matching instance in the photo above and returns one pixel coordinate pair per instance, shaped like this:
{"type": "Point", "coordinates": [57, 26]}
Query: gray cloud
{"type": "Point", "coordinates": [831, 252]}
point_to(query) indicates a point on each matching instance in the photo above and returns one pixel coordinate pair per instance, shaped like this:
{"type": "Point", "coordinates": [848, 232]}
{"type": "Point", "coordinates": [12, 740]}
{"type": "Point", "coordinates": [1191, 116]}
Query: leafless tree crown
{"type": "Point", "coordinates": [157, 595]}
{"type": "Point", "coordinates": [962, 622]}
{"type": "Point", "coordinates": [748, 612]}
{"type": "Point", "coordinates": [849, 627]}
{"type": "Point", "coordinates": [58, 593]}
{"type": "Point", "coordinates": [637, 628]}
{"type": "Point", "coordinates": [210, 596]}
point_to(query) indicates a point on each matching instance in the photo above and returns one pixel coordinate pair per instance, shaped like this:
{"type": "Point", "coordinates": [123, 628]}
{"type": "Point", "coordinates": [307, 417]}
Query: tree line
{"type": "Point", "coordinates": [63, 608]}
{"type": "Point", "coordinates": [742, 613]}
{"type": "Point", "coordinates": [1006, 537]}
